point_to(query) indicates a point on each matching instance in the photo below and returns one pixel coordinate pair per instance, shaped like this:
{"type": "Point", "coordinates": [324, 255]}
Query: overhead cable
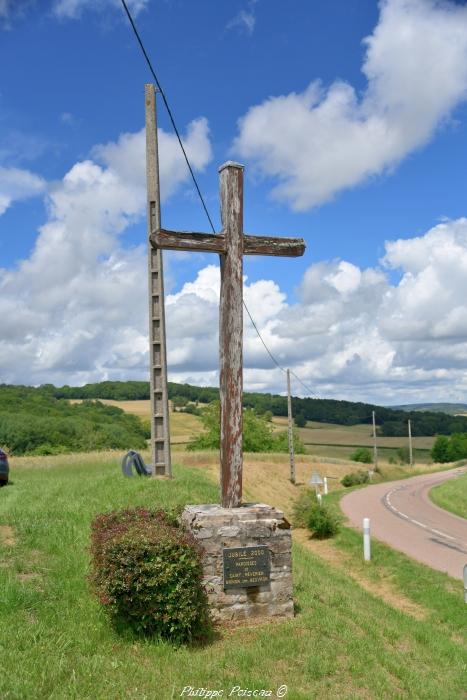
{"type": "Point", "coordinates": [195, 182]}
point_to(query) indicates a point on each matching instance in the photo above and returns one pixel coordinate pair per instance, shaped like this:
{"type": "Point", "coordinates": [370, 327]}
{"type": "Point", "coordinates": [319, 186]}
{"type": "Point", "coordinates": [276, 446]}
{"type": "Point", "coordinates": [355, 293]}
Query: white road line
{"type": "Point", "coordinates": [443, 534]}
{"type": "Point", "coordinates": [387, 500]}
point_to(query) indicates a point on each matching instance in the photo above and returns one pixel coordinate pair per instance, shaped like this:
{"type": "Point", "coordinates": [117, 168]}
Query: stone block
{"type": "Point", "coordinates": [250, 525]}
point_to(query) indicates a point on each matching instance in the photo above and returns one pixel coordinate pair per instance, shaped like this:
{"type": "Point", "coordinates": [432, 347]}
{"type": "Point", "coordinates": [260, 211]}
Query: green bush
{"type": "Point", "coordinates": [355, 478]}
{"type": "Point", "coordinates": [146, 570]}
{"type": "Point", "coordinates": [403, 455]}
{"type": "Point", "coordinates": [258, 433]}
{"type": "Point", "coordinates": [322, 521]}
{"type": "Point", "coordinates": [280, 443]}
{"type": "Point", "coordinates": [46, 450]}
{"type": "Point", "coordinates": [300, 420]}
{"type": "Point", "coordinates": [302, 507]}
{"type": "Point", "coordinates": [192, 409]}
{"type": "Point", "coordinates": [146, 428]}
{"type": "Point", "coordinates": [362, 455]}
{"type": "Point", "coordinates": [450, 449]}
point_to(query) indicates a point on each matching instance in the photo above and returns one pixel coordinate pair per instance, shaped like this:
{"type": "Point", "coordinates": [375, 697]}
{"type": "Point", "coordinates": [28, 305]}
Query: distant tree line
{"type": "Point", "coordinates": [390, 422]}
{"type": "Point", "coordinates": [34, 419]}
{"type": "Point", "coordinates": [117, 391]}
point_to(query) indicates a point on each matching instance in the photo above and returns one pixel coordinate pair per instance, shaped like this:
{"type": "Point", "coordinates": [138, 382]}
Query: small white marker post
{"type": "Point", "coordinates": [465, 583]}
{"type": "Point", "coordinates": [366, 539]}
{"type": "Point", "coordinates": [319, 497]}
{"type": "Point", "coordinates": [325, 481]}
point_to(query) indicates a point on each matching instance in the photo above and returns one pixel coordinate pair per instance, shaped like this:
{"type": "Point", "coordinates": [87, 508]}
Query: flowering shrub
{"type": "Point", "coordinates": [146, 570]}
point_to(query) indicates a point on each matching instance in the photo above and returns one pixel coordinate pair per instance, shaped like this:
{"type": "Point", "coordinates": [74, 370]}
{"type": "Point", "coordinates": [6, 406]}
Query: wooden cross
{"type": "Point", "coordinates": [232, 245]}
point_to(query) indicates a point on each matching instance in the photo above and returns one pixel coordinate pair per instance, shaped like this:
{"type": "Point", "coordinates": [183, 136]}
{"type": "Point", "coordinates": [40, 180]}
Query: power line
{"type": "Point", "coordinates": [310, 391]}
{"type": "Point", "coordinates": [261, 338]}
{"type": "Point", "coordinates": [169, 111]}
{"type": "Point", "coordinates": [303, 384]}
{"type": "Point", "coordinates": [195, 182]}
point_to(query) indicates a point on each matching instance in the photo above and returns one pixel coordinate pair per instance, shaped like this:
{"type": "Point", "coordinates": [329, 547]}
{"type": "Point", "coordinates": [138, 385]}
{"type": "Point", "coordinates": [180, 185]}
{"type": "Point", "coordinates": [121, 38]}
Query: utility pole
{"type": "Point", "coordinates": [410, 445]}
{"type": "Point", "coordinates": [160, 434]}
{"type": "Point", "coordinates": [289, 413]}
{"type": "Point", "coordinates": [375, 449]}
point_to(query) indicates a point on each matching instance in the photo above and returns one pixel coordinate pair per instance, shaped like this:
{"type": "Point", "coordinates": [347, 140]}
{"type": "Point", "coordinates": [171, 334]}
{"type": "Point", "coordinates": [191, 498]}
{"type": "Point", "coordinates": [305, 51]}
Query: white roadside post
{"type": "Point", "coordinates": [465, 583]}
{"type": "Point", "coordinates": [325, 480]}
{"type": "Point", "coordinates": [316, 481]}
{"type": "Point", "coordinates": [320, 498]}
{"type": "Point", "coordinates": [366, 539]}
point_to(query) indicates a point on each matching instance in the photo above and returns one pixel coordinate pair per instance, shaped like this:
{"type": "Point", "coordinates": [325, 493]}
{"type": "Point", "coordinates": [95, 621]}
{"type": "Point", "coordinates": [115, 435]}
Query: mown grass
{"type": "Point", "coordinates": [437, 593]}
{"type": "Point", "coordinates": [55, 641]}
{"type": "Point", "coordinates": [452, 496]}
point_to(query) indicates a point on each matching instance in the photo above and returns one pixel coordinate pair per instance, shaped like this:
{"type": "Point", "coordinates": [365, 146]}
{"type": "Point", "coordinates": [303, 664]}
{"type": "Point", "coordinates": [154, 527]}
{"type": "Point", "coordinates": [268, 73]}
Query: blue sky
{"type": "Point", "coordinates": [351, 120]}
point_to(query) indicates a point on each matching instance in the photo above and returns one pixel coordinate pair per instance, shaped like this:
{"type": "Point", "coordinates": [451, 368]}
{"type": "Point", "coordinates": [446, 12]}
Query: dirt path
{"type": "Point", "coordinates": [403, 516]}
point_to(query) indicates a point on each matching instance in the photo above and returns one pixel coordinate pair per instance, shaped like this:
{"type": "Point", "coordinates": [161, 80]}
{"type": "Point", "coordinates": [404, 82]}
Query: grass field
{"type": "Point", "coordinates": [322, 439]}
{"type": "Point", "coordinates": [390, 629]}
{"type": "Point", "coordinates": [452, 496]}
{"type": "Point", "coordinates": [183, 426]}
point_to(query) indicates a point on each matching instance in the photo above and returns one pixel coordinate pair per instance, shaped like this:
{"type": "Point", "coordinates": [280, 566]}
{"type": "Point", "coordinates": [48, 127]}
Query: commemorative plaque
{"type": "Point", "coordinates": [246, 567]}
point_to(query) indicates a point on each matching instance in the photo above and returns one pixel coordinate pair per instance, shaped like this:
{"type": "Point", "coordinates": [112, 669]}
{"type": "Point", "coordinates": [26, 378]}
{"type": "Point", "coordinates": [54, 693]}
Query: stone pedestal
{"type": "Point", "coordinates": [250, 525]}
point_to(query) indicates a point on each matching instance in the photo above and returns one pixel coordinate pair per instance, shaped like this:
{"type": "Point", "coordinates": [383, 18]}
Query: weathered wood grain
{"type": "Point", "coordinates": [231, 244]}
{"type": "Point", "coordinates": [185, 240]}
{"type": "Point", "coordinates": [231, 335]}
{"type": "Point", "coordinates": [269, 245]}
{"type": "Point", "coordinates": [209, 243]}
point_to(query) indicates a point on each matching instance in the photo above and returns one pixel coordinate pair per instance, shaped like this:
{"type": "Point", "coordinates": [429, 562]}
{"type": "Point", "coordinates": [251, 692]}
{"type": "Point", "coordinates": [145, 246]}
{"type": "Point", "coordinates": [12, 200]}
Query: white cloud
{"type": "Point", "coordinates": [245, 21]}
{"type": "Point", "coordinates": [323, 140]}
{"type": "Point", "coordinates": [73, 9]}
{"type": "Point", "coordinates": [68, 119]}
{"type": "Point", "coordinates": [8, 8]}
{"type": "Point", "coordinates": [12, 9]}
{"type": "Point", "coordinates": [17, 184]}
{"type": "Point", "coordinates": [76, 308]}
{"type": "Point", "coordinates": [428, 305]}
{"type": "Point", "coordinates": [352, 334]}
{"type": "Point", "coordinates": [128, 156]}
{"type": "Point", "coordinates": [5, 7]}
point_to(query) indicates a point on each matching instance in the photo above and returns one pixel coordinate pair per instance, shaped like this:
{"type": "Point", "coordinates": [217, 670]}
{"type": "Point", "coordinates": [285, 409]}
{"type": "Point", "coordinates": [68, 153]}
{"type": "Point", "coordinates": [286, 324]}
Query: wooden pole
{"type": "Point", "coordinates": [160, 434]}
{"type": "Point", "coordinates": [231, 244]}
{"type": "Point", "coordinates": [289, 413]}
{"type": "Point", "coordinates": [231, 335]}
{"type": "Point", "coordinates": [410, 444]}
{"type": "Point", "coordinates": [375, 449]}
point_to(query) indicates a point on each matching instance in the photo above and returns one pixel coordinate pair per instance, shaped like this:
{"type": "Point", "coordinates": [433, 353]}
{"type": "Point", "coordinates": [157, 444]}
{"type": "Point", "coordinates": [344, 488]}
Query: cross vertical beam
{"type": "Point", "coordinates": [231, 335]}
{"type": "Point", "coordinates": [160, 434]}
{"type": "Point", "coordinates": [231, 244]}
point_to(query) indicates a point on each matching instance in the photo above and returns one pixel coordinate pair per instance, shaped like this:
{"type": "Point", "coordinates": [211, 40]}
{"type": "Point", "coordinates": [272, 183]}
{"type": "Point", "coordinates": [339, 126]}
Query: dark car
{"type": "Point", "coordinates": [4, 468]}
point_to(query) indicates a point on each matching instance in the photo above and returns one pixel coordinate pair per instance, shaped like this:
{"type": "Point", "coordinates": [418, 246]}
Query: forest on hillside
{"type": "Point", "coordinates": [390, 422]}
{"type": "Point", "coordinates": [34, 421]}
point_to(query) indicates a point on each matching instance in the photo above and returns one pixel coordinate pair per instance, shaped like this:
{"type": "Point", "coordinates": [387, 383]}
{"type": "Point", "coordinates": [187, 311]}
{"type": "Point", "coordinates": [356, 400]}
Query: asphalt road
{"type": "Point", "coordinates": [402, 515]}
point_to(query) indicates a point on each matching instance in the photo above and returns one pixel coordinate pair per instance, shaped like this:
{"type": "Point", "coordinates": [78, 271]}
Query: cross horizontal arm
{"type": "Point", "coordinates": [269, 245]}
{"type": "Point", "coordinates": [184, 240]}
{"type": "Point", "coordinates": [209, 243]}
